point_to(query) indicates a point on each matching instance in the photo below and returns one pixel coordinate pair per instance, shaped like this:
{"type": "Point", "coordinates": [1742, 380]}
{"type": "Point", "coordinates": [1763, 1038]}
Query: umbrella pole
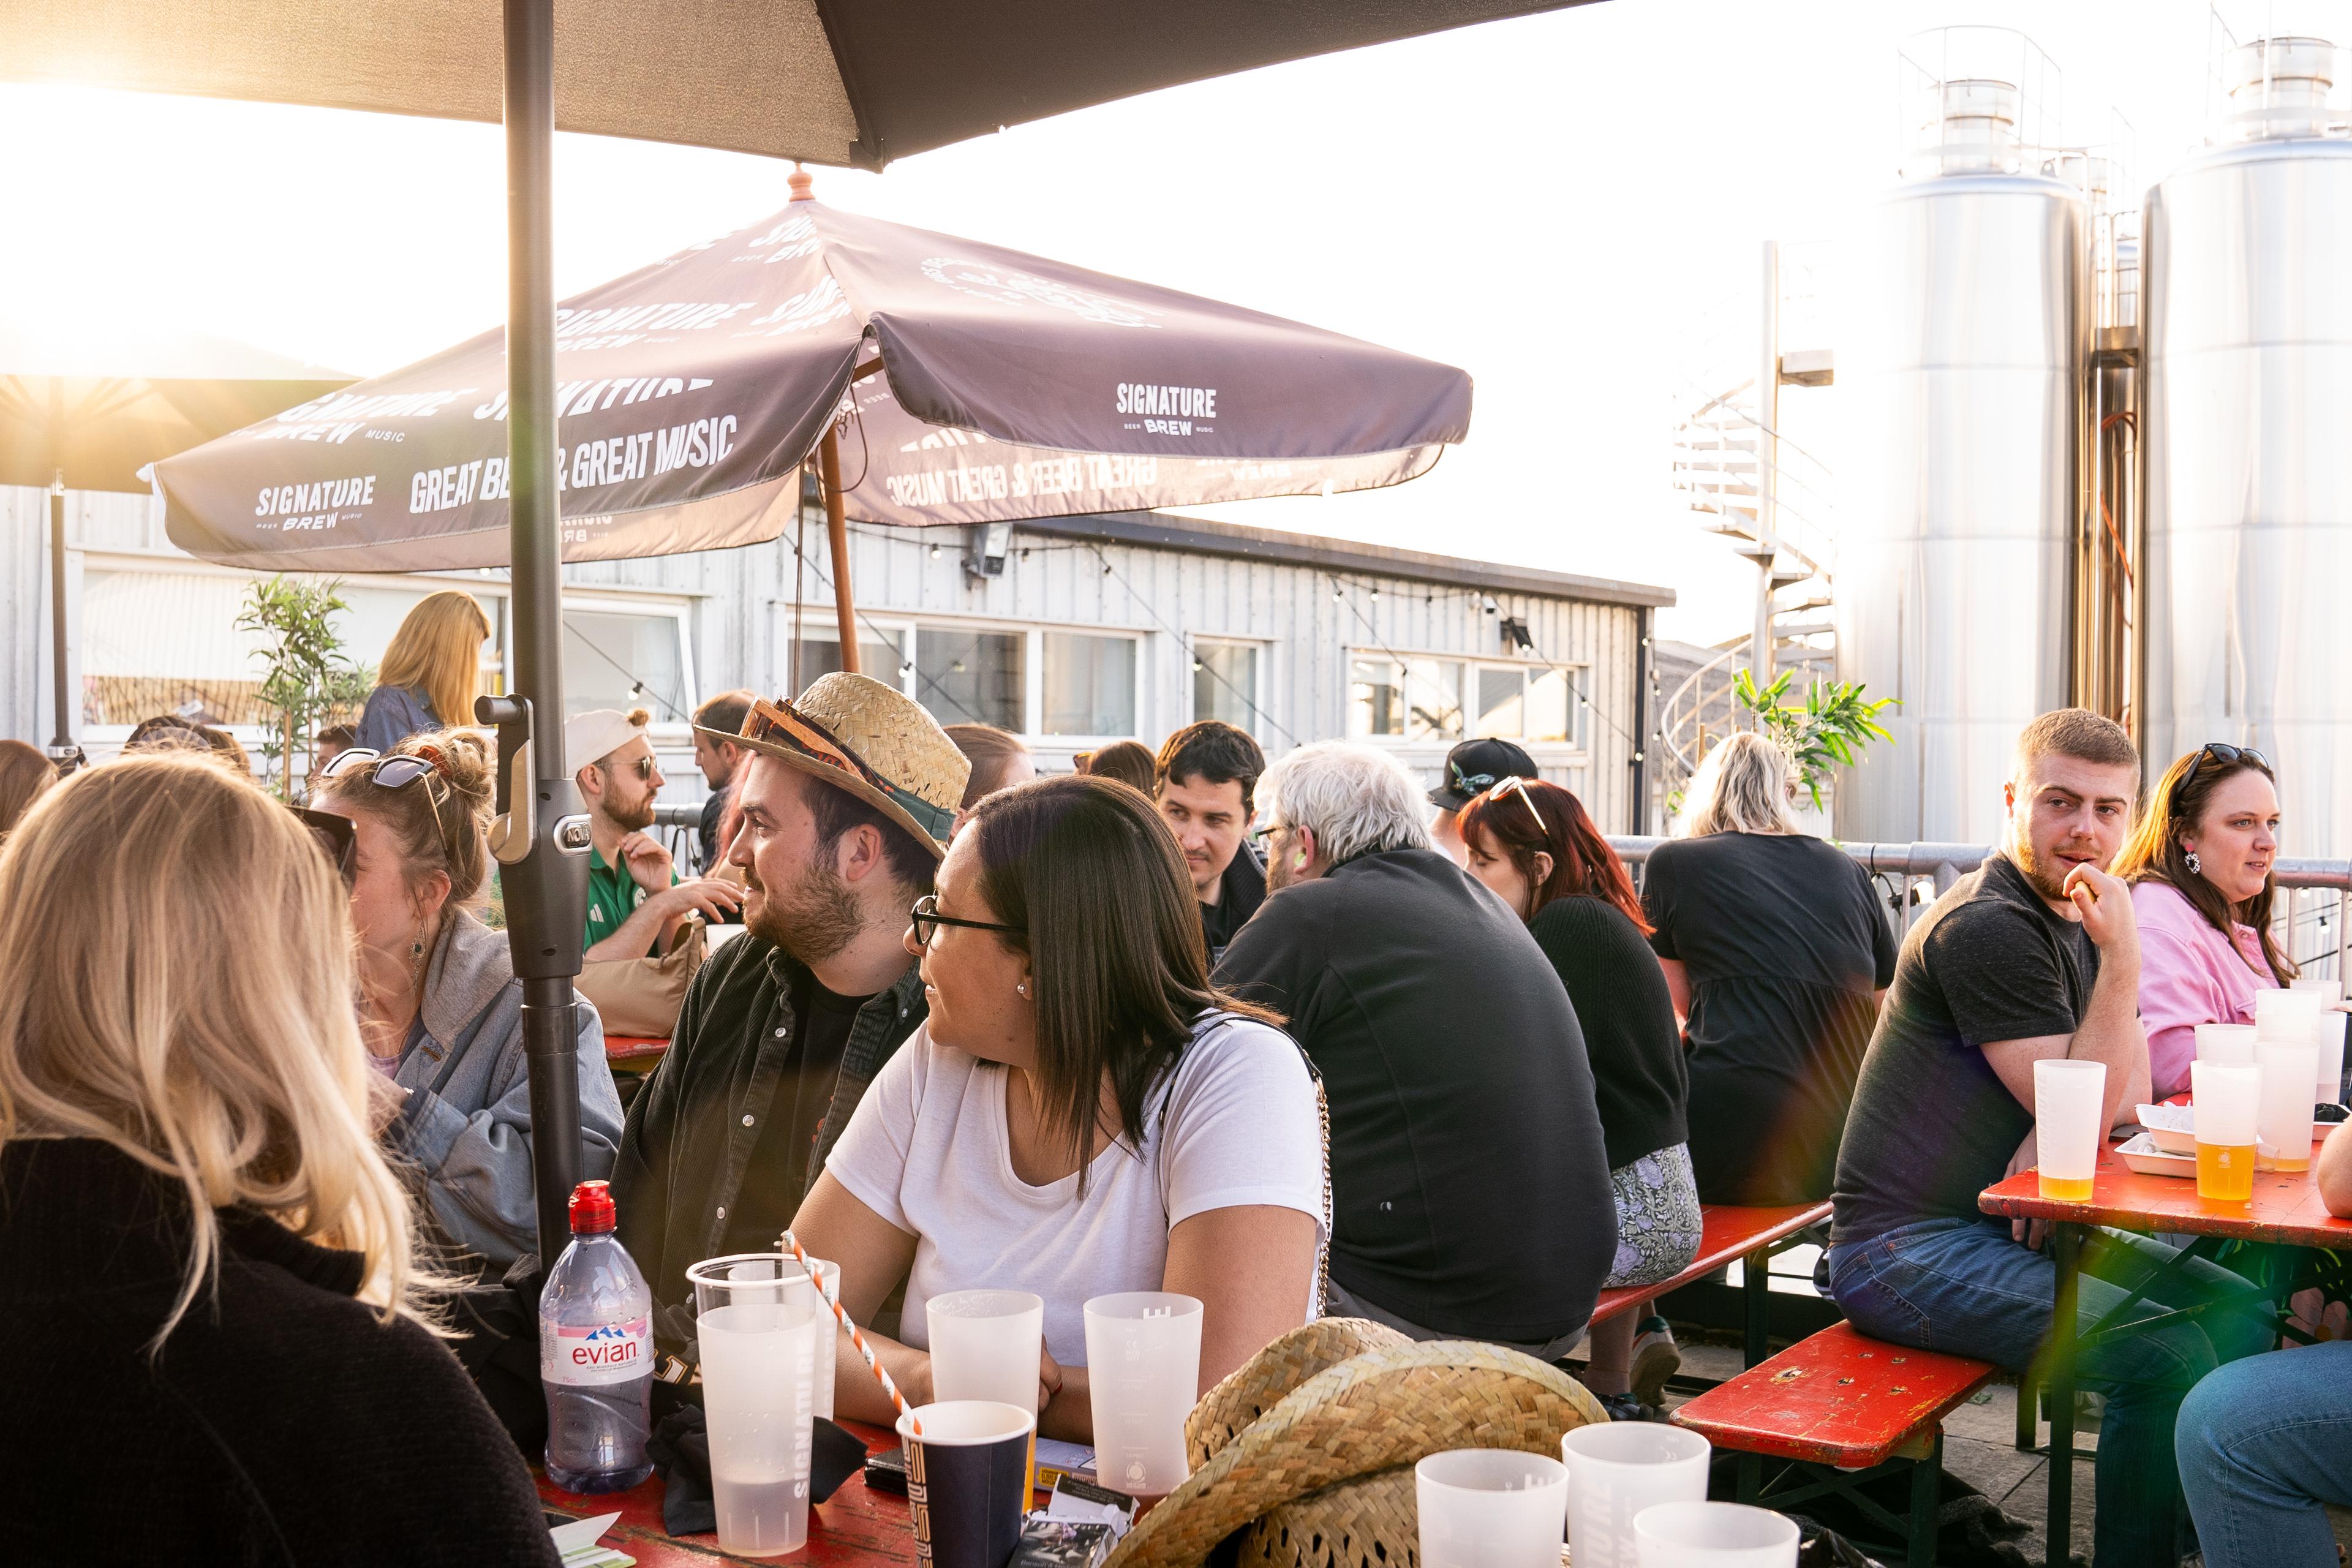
{"type": "Point", "coordinates": [61, 747]}
{"type": "Point", "coordinates": [542, 840]}
{"type": "Point", "coordinates": [836, 538]}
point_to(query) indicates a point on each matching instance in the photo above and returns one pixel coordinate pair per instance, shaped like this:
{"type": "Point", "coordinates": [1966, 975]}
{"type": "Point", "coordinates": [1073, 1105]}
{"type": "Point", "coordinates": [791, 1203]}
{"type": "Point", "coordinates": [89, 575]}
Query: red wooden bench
{"type": "Point", "coordinates": [1727, 1234]}
{"type": "Point", "coordinates": [1840, 1410]}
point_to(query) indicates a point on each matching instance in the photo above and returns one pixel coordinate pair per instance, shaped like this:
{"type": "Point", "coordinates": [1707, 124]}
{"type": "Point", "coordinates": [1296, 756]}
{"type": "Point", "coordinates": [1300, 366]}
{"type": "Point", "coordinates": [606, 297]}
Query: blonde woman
{"type": "Point", "coordinates": [1776, 950]}
{"type": "Point", "coordinates": [207, 1256]}
{"type": "Point", "coordinates": [431, 673]}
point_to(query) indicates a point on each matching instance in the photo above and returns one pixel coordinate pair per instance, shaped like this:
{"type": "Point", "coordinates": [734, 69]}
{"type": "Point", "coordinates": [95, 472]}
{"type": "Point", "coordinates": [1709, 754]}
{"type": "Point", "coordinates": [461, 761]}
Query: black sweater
{"type": "Point", "coordinates": [1623, 1005]}
{"type": "Point", "coordinates": [282, 1423]}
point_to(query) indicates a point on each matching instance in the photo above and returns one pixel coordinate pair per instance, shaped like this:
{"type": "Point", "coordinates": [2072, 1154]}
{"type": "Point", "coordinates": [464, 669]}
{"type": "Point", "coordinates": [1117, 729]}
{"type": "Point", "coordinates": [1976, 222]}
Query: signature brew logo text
{"type": "Point", "coordinates": [1167, 410]}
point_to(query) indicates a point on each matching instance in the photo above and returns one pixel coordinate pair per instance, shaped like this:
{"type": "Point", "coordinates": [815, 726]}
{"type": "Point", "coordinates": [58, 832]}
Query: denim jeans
{"type": "Point", "coordinates": [1964, 1286]}
{"type": "Point", "coordinates": [2261, 1444]}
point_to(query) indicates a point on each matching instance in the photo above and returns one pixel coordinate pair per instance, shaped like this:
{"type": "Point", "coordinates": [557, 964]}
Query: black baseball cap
{"type": "Point", "coordinates": [1474, 767]}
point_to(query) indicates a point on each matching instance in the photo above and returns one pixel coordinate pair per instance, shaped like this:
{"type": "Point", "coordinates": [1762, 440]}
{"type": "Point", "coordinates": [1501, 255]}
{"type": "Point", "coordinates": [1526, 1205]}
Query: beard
{"type": "Point", "coordinates": [812, 919]}
{"type": "Point", "coordinates": [2048, 877]}
{"type": "Point", "coordinates": [630, 816]}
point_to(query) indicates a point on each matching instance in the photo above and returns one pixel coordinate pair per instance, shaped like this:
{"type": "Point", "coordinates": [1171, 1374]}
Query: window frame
{"type": "Point", "coordinates": [1577, 748]}
{"type": "Point", "coordinates": [1257, 700]}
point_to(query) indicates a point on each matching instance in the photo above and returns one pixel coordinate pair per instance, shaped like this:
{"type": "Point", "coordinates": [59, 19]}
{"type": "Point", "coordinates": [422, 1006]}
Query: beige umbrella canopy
{"type": "Point", "coordinates": [837, 81]}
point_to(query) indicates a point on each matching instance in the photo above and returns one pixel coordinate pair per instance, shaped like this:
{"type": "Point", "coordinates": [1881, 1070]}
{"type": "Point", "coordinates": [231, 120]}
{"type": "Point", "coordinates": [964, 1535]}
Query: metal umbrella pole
{"type": "Point", "coordinates": [541, 838]}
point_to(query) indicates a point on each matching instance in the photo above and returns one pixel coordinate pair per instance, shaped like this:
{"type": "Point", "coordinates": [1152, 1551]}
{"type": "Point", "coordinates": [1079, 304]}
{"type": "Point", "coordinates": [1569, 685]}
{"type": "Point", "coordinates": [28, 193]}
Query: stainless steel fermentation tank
{"type": "Point", "coordinates": [2248, 306]}
{"type": "Point", "coordinates": [1954, 578]}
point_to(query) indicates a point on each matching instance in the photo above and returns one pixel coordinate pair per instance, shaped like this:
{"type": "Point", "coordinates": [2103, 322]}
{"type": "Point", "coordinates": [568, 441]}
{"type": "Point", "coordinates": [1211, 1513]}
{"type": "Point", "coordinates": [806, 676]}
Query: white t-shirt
{"type": "Point", "coordinates": [927, 1151]}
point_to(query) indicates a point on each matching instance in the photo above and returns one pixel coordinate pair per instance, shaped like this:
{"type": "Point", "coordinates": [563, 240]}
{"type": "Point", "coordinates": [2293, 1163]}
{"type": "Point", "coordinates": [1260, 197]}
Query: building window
{"type": "Point", "coordinates": [1412, 699]}
{"type": "Point", "coordinates": [1529, 702]}
{"type": "Point", "coordinates": [1089, 685]}
{"type": "Point", "coordinates": [822, 655]}
{"type": "Point", "coordinates": [970, 677]}
{"type": "Point", "coordinates": [1224, 683]}
{"type": "Point", "coordinates": [626, 659]}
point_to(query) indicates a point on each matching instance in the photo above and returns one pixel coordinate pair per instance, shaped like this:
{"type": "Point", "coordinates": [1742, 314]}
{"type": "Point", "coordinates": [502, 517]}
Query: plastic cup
{"type": "Point", "coordinates": [2228, 1101]}
{"type": "Point", "coordinates": [2232, 1044]}
{"type": "Point", "coordinates": [2069, 1105]}
{"type": "Point", "coordinates": [987, 1344]}
{"type": "Point", "coordinates": [828, 1335]}
{"type": "Point", "coordinates": [755, 1320]}
{"type": "Point", "coordinates": [2288, 1015]}
{"type": "Point", "coordinates": [2284, 1118]}
{"type": "Point", "coordinates": [1490, 1507]}
{"type": "Point", "coordinates": [2328, 1031]}
{"type": "Point", "coordinates": [2332, 989]}
{"type": "Point", "coordinates": [1715, 1535]}
{"type": "Point", "coordinates": [1143, 1376]}
{"type": "Point", "coordinates": [968, 1480]}
{"type": "Point", "coordinates": [1617, 1471]}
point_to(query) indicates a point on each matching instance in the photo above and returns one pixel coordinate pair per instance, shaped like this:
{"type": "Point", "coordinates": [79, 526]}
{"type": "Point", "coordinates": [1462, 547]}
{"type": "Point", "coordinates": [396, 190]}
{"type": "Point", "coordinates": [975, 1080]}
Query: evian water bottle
{"type": "Point", "coordinates": [596, 1355]}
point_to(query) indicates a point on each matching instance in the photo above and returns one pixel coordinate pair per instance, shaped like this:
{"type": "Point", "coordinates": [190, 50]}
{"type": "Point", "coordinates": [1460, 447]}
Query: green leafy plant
{"type": "Point", "coordinates": [1830, 728]}
{"type": "Point", "coordinates": [307, 677]}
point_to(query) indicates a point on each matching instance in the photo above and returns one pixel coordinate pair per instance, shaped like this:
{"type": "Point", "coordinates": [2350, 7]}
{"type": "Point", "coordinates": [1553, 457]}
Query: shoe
{"type": "Point", "coordinates": [1656, 1358]}
{"type": "Point", "coordinates": [1623, 1407]}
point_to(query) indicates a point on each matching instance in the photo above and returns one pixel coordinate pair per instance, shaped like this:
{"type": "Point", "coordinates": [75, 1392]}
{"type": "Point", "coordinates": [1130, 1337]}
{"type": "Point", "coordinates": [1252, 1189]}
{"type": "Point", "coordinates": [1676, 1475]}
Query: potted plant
{"type": "Point", "coordinates": [307, 677]}
{"type": "Point", "coordinates": [1828, 730]}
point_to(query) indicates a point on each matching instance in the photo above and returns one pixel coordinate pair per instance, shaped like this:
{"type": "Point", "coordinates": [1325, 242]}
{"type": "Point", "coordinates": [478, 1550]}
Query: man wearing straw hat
{"type": "Point", "coordinates": [846, 802]}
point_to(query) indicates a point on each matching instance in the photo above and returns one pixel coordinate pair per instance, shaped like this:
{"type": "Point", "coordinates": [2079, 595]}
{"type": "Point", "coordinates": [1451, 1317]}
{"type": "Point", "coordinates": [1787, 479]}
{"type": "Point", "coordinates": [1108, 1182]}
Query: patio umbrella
{"type": "Point", "coordinates": [858, 83]}
{"type": "Point", "coordinates": [86, 410]}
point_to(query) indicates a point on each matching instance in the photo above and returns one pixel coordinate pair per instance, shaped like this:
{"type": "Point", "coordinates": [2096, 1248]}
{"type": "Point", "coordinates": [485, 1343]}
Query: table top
{"type": "Point", "coordinates": [2286, 1207]}
{"type": "Point", "coordinates": [854, 1529]}
{"type": "Point", "coordinates": [628, 1050]}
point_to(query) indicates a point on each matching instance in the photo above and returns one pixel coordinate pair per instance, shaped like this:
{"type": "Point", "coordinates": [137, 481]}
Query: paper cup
{"type": "Point", "coordinates": [987, 1344]}
{"type": "Point", "coordinates": [1715, 1535]}
{"type": "Point", "coordinates": [1617, 1471]}
{"type": "Point", "coordinates": [2069, 1106]}
{"type": "Point", "coordinates": [1490, 1507]}
{"type": "Point", "coordinates": [967, 1480]}
{"type": "Point", "coordinates": [1143, 1377]}
{"type": "Point", "coordinates": [2232, 1044]}
{"type": "Point", "coordinates": [756, 1326]}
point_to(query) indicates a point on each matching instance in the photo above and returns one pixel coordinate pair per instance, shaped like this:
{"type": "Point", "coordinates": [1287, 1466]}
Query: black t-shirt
{"type": "Point", "coordinates": [1785, 941]}
{"type": "Point", "coordinates": [772, 1184]}
{"type": "Point", "coordinates": [1933, 1126]}
{"type": "Point", "coordinates": [1628, 1019]}
{"type": "Point", "coordinates": [1469, 1183]}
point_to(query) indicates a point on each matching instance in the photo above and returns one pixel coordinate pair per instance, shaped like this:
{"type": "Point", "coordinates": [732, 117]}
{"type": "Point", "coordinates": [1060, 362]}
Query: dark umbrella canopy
{"type": "Point", "coordinates": [690, 390]}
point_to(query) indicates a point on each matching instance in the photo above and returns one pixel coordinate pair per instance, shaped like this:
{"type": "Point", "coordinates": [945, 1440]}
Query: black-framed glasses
{"type": "Point", "coordinates": [927, 920]}
{"type": "Point", "coordinates": [2224, 753]}
{"type": "Point", "coordinates": [1263, 831]}
{"type": "Point", "coordinates": [336, 836]}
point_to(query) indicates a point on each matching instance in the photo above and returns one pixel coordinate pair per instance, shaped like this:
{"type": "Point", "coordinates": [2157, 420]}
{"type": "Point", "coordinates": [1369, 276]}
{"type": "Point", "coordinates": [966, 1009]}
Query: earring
{"type": "Point", "coordinates": [1021, 986]}
{"type": "Point", "coordinates": [2195, 865]}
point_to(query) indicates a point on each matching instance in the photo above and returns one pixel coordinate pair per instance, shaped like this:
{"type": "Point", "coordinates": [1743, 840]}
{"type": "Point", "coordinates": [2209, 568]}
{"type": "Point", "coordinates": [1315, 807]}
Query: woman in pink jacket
{"type": "Point", "coordinates": [2200, 864]}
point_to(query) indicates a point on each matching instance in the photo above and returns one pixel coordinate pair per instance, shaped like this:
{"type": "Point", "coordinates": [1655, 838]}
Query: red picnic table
{"type": "Point", "coordinates": [854, 1529]}
{"type": "Point", "coordinates": [2286, 1211]}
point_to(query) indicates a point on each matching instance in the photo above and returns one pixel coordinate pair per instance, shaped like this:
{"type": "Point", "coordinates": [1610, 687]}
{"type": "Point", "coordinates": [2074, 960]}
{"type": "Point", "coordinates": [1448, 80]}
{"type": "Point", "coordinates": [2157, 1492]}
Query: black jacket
{"type": "Point", "coordinates": [1240, 891]}
{"type": "Point", "coordinates": [282, 1423]}
{"type": "Point", "coordinates": [686, 1148]}
{"type": "Point", "coordinates": [1469, 1185]}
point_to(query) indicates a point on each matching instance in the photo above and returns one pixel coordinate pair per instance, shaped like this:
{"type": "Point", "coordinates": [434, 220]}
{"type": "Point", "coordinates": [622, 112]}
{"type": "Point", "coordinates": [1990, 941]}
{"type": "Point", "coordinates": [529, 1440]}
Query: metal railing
{"type": "Point", "coordinates": [2309, 923]}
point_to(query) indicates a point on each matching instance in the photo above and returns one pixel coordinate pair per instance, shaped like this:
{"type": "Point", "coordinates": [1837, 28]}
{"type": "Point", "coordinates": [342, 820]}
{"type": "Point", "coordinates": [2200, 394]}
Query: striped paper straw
{"type": "Point", "coordinates": [873, 1363]}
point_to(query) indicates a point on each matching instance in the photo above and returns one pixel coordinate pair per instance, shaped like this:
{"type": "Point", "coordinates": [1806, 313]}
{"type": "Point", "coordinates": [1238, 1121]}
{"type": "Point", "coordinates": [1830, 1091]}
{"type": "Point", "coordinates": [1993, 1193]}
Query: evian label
{"type": "Point", "coordinates": [606, 1352]}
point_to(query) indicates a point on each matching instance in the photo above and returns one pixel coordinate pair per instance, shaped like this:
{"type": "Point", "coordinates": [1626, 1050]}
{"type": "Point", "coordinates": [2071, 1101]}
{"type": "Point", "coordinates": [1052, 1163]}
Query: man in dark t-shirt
{"type": "Point", "coordinates": [2033, 956]}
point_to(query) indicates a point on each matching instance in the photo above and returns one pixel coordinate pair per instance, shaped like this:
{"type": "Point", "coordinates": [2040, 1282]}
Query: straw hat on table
{"type": "Point", "coordinates": [1310, 1446]}
{"type": "Point", "coordinates": [872, 739]}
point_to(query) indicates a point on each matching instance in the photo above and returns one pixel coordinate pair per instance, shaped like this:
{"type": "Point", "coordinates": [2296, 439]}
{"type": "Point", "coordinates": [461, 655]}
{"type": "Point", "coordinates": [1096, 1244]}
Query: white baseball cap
{"type": "Point", "coordinates": [593, 736]}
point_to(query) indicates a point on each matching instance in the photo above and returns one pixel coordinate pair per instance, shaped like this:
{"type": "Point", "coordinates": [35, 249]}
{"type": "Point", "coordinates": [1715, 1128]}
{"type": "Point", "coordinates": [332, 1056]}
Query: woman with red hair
{"type": "Point", "coordinates": [1534, 845]}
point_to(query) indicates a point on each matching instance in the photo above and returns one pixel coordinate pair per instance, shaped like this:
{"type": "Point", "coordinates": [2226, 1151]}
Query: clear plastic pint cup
{"type": "Point", "coordinates": [1716, 1535]}
{"type": "Point", "coordinates": [2231, 1045]}
{"type": "Point", "coordinates": [2283, 1119]}
{"type": "Point", "coordinates": [2069, 1105]}
{"type": "Point", "coordinates": [2228, 1102]}
{"type": "Point", "coordinates": [1490, 1507]}
{"type": "Point", "coordinates": [987, 1345]}
{"type": "Point", "coordinates": [1618, 1469]}
{"type": "Point", "coordinates": [755, 1322]}
{"type": "Point", "coordinates": [2288, 1015]}
{"type": "Point", "coordinates": [2328, 1032]}
{"type": "Point", "coordinates": [2328, 987]}
{"type": "Point", "coordinates": [1143, 1377]}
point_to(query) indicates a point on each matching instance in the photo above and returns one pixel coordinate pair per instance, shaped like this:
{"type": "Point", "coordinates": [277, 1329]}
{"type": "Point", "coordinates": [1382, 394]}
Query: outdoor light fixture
{"type": "Point", "coordinates": [986, 546]}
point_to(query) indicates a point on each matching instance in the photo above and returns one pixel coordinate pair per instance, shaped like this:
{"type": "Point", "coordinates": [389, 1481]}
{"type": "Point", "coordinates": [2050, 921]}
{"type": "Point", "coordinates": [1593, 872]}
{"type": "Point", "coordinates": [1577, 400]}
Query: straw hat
{"type": "Point", "coordinates": [1329, 1463]}
{"type": "Point", "coordinates": [872, 739]}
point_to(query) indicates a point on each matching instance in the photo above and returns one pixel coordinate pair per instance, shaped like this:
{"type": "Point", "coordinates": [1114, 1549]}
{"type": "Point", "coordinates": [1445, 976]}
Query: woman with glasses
{"type": "Point", "coordinates": [1776, 951]}
{"type": "Point", "coordinates": [1536, 847]}
{"type": "Point", "coordinates": [440, 1008]}
{"type": "Point", "coordinates": [1082, 1114]}
{"type": "Point", "coordinates": [2200, 864]}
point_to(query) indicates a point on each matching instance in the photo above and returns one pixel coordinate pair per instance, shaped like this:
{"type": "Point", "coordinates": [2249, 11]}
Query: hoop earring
{"type": "Point", "coordinates": [2195, 867]}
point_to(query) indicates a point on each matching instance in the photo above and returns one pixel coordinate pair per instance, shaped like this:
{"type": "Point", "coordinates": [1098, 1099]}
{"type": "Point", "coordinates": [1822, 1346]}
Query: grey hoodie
{"type": "Point", "coordinates": [471, 1138]}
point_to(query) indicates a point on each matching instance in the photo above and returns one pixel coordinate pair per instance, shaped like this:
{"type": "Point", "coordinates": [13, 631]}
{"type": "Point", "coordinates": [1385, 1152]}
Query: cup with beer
{"type": "Point", "coordinates": [2069, 1099]}
{"type": "Point", "coordinates": [2228, 1101]}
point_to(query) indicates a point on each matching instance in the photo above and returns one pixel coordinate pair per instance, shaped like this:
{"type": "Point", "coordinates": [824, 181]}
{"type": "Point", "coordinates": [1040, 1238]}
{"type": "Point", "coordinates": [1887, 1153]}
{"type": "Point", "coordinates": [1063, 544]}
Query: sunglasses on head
{"type": "Point", "coordinates": [2224, 755]}
{"type": "Point", "coordinates": [335, 835]}
{"type": "Point", "coordinates": [391, 773]}
{"type": "Point", "coordinates": [1518, 786]}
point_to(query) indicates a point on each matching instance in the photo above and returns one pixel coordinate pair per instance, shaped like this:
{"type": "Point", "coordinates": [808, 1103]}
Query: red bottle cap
{"type": "Point", "coordinates": [592, 1209]}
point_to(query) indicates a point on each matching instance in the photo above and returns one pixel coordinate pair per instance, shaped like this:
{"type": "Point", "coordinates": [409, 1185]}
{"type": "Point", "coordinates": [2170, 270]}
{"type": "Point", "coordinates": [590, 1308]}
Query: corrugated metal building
{"type": "Point", "coordinates": [1088, 630]}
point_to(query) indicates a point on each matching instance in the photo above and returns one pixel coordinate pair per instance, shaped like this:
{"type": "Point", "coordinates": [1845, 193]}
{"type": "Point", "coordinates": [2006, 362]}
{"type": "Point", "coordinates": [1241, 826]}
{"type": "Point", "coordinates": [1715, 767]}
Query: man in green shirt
{"type": "Point", "coordinates": [635, 899]}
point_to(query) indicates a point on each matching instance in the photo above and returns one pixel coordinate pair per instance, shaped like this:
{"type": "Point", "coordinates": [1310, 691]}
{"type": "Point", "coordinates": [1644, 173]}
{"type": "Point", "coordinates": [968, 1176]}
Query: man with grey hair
{"type": "Point", "coordinates": [1469, 1185]}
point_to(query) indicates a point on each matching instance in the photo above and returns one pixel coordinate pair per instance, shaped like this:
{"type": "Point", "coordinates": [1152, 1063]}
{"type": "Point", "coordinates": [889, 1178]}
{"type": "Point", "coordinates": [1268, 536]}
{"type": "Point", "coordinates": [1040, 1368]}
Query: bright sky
{"type": "Point", "coordinates": [1552, 203]}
